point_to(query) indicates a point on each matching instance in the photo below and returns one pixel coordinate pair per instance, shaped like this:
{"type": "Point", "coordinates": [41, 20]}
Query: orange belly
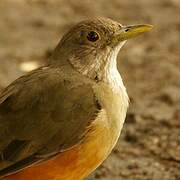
{"type": "Point", "coordinates": [73, 164]}
{"type": "Point", "coordinates": [65, 166]}
{"type": "Point", "coordinates": [55, 169]}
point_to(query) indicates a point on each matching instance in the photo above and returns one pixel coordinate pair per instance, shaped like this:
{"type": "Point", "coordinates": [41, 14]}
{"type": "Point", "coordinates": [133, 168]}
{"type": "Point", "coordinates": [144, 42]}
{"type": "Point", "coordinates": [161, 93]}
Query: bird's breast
{"type": "Point", "coordinates": [114, 101]}
{"type": "Point", "coordinates": [105, 129]}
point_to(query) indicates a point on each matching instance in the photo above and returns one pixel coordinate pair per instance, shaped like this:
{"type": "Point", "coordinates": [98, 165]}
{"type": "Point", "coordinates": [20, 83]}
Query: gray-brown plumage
{"type": "Point", "coordinates": [45, 110]}
{"type": "Point", "coordinates": [55, 108]}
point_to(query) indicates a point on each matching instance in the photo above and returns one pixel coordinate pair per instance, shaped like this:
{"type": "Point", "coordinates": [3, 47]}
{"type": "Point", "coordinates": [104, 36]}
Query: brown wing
{"type": "Point", "coordinates": [42, 114]}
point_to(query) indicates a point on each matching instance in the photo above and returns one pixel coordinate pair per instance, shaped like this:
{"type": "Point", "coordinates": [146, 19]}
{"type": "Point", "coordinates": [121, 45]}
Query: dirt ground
{"type": "Point", "coordinates": [149, 147]}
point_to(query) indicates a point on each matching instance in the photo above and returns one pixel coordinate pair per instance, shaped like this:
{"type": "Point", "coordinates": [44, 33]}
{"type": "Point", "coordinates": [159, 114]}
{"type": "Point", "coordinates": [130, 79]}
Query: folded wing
{"type": "Point", "coordinates": [41, 114]}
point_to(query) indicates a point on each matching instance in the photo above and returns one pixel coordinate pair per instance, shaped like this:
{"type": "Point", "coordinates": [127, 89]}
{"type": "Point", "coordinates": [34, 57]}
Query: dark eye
{"type": "Point", "coordinates": [92, 36]}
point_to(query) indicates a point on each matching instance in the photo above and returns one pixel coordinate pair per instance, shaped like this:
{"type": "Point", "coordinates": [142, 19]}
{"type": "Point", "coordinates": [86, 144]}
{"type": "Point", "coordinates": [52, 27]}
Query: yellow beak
{"type": "Point", "coordinates": [128, 32]}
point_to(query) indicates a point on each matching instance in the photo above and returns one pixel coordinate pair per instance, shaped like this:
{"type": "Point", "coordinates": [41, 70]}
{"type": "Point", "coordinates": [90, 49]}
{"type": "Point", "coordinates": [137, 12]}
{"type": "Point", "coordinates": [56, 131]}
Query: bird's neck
{"type": "Point", "coordinates": [110, 72]}
{"type": "Point", "coordinates": [112, 77]}
{"type": "Point", "coordinates": [113, 97]}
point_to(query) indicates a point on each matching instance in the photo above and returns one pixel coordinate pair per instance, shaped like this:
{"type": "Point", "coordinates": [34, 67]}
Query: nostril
{"type": "Point", "coordinates": [126, 30]}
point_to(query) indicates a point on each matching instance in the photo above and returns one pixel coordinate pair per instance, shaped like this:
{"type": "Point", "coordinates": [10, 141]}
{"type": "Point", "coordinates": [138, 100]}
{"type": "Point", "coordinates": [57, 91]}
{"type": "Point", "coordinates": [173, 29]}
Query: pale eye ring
{"type": "Point", "coordinates": [92, 36]}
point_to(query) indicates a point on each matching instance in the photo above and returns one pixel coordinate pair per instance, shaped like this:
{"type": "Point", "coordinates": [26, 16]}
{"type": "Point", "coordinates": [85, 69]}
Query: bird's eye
{"type": "Point", "coordinates": [126, 30]}
{"type": "Point", "coordinates": [92, 36]}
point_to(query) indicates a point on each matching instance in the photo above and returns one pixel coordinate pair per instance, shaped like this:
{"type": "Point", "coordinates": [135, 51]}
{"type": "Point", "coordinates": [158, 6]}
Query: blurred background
{"type": "Point", "coordinates": [149, 147]}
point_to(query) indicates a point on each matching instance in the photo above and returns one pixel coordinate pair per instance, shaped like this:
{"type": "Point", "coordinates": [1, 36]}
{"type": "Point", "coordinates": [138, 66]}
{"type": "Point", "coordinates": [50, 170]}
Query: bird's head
{"type": "Point", "coordinates": [92, 45]}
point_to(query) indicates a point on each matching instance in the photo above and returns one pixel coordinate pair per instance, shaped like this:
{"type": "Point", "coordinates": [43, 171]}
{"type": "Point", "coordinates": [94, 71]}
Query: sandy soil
{"type": "Point", "coordinates": [149, 148]}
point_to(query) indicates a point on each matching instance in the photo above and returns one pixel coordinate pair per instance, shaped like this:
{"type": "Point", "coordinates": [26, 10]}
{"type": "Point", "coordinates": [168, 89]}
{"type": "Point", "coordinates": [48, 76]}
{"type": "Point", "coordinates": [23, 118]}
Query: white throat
{"type": "Point", "coordinates": [112, 91]}
{"type": "Point", "coordinates": [112, 75]}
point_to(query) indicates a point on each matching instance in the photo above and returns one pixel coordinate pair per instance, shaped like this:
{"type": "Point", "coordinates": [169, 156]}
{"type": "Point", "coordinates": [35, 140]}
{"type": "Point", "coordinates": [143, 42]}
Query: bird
{"type": "Point", "coordinates": [61, 120]}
